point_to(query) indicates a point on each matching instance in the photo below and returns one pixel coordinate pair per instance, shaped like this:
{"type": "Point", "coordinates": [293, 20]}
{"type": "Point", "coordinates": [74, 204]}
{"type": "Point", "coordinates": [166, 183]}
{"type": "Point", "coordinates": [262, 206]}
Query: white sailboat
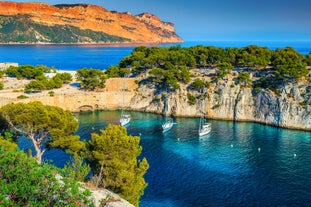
{"type": "Point", "coordinates": [168, 124]}
{"type": "Point", "coordinates": [125, 118]}
{"type": "Point", "coordinates": [204, 127]}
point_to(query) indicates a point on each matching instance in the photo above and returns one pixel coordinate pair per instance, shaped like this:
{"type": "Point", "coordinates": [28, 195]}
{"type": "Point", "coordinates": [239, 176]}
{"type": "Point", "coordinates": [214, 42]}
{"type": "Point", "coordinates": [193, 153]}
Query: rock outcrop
{"type": "Point", "coordinates": [143, 28]}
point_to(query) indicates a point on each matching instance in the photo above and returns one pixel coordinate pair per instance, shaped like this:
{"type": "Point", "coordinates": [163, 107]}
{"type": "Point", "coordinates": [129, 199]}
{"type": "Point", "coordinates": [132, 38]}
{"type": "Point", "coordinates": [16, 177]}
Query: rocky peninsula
{"type": "Point", "coordinates": [79, 24]}
{"type": "Point", "coordinates": [251, 84]}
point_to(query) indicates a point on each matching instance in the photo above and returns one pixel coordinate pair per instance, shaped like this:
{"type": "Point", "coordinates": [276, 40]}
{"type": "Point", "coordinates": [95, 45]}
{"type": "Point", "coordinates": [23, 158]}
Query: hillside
{"type": "Point", "coordinates": [79, 23]}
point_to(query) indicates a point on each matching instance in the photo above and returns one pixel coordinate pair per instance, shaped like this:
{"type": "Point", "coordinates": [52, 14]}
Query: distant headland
{"type": "Point", "coordinates": [41, 23]}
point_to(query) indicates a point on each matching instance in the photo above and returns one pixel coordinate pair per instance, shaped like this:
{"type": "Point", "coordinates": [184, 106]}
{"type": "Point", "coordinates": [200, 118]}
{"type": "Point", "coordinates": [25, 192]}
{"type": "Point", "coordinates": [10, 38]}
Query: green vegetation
{"type": "Point", "coordinates": [45, 126]}
{"type": "Point", "coordinates": [91, 79]}
{"type": "Point", "coordinates": [191, 99]}
{"type": "Point", "coordinates": [199, 84]}
{"type": "Point", "coordinates": [43, 83]}
{"type": "Point", "coordinates": [22, 96]}
{"type": "Point", "coordinates": [244, 79]}
{"type": "Point", "coordinates": [39, 82]}
{"type": "Point", "coordinates": [1, 85]}
{"type": "Point", "coordinates": [289, 63]}
{"type": "Point", "coordinates": [116, 71]}
{"type": "Point", "coordinates": [77, 169]}
{"type": "Point", "coordinates": [51, 93]}
{"type": "Point", "coordinates": [111, 156]}
{"type": "Point", "coordinates": [114, 162]}
{"type": "Point", "coordinates": [24, 182]}
{"type": "Point", "coordinates": [308, 59]}
{"type": "Point", "coordinates": [26, 71]}
{"type": "Point", "coordinates": [21, 29]}
{"type": "Point", "coordinates": [169, 67]}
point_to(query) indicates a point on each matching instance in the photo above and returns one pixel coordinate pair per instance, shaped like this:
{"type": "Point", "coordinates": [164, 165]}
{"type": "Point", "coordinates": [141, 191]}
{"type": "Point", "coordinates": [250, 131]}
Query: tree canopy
{"type": "Point", "coordinates": [168, 67]}
{"type": "Point", "coordinates": [46, 126]}
{"type": "Point", "coordinates": [289, 63]}
{"type": "Point", "coordinates": [114, 156]}
{"type": "Point", "coordinates": [27, 71]}
{"type": "Point", "coordinates": [91, 78]}
{"type": "Point", "coordinates": [43, 83]}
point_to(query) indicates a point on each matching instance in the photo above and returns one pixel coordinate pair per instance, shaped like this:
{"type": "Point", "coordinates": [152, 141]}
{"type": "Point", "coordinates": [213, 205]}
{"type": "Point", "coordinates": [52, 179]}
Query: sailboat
{"type": "Point", "coordinates": [125, 118]}
{"type": "Point", "coordinates": [168, 124]}
{"type": "Point", "coordinates": [204, 127]}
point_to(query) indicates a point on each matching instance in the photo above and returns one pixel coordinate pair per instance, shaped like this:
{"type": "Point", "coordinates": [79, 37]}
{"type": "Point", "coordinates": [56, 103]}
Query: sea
{"type": "Point", "coordinates": [237, 164]}
{"type": "Point", "coordinates": [73, 57]}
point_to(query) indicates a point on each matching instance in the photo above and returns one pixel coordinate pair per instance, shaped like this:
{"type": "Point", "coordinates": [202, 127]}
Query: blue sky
{"type": "Point", "coordinates": [206, 20]}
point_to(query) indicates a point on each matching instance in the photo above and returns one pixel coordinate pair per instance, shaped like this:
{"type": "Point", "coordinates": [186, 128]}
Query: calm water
{"type": "Point", "coordinates": [225, 168]}
{"type": "Point", "coordinates": [73, 57]}
{"type": "Point", "coordinates": [238, 164]}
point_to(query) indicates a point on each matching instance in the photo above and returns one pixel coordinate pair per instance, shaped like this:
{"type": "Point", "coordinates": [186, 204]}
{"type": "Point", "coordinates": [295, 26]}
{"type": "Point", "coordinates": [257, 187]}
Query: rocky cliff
{"type": "Point", "coordinates": [79, 23]}
{"type": "Point", "coordinates": [227, 101]}
{"type": "Point", "coordinates": [224, 100]}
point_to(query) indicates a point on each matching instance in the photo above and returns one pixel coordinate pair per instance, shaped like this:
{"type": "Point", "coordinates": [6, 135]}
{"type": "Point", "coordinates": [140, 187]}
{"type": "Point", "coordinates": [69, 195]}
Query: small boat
{"type": "Point", "coordinates": [205, 128]}
{"type": "Point", "coordinates": [168, 124]}
{"type": "Point", "coordinates": [125, 119]}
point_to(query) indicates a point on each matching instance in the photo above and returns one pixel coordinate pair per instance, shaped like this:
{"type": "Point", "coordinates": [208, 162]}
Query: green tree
{"type": "Point", "coordinates": [114, 156]}
{"type": "Point", "coordinates": [244, 78]}
{"type": "Point", "coordinates": [254, 56]}
{"type": "Point", "coordinates": [164, 78]}
{"type": "Point", "coordinates": [7, 144]}
{"type": "Point", "coordinates": [191, 99]}
{"type": "Point", "coordinates": [91, 78]}
{"type": "Point", "coordinates": [223, 70]}
{"type": "Point", "coordinates": [25, 71]}
{"type": "Point", "coordinates": [45, 126]}
{"type": "Point", "coordinates": [289, 63]}
{"type": "Point", "coordinates": [64, 77]}
{"type": "Point", "coordinates": [225, 66]}
{"type": "Point", "coordinates": [76, 168]}
{"type": "Point", "coordinates": [215, 55]}
{"type": "Point", "coordinates": [24, 182]}
{"type": "Point", "coordinates": [198, 84]}
{"type": "Point", "coordinates": [1, 85]}
{"type": "Point", "coordinates": [116, 71]}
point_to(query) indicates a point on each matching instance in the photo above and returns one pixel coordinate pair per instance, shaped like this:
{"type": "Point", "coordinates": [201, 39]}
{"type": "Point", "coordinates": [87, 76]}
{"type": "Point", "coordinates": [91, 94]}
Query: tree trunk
{"type": "Point", "coordinates": [36, 145]}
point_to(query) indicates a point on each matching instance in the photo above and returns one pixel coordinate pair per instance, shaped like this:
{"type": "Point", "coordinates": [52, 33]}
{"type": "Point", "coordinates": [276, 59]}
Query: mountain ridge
{"type": "Point", "coordinates": [142, 28]}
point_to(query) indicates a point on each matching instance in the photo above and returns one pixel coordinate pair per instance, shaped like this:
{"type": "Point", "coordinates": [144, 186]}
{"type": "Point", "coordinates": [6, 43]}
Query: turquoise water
{"type": "Point", "coordinates": [237, 164]}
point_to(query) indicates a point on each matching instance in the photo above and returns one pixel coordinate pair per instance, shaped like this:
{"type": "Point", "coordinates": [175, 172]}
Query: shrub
{"type": "Point", "coordinates": [22, 96]}
{"type": "Point", "coordinates": [191, 99]}
{"type": "Point", "coordinates": [51, 93]}
{"type": "Point", "coordinates": [24, 182]}
{"type": "Point", "coordinates": [216, 106]}
{"type": "Point", "coordinates": [1, 85]}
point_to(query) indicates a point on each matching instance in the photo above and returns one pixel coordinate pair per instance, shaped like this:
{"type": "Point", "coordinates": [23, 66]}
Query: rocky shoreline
{"type": "Point", "coordinates": [225, 101]}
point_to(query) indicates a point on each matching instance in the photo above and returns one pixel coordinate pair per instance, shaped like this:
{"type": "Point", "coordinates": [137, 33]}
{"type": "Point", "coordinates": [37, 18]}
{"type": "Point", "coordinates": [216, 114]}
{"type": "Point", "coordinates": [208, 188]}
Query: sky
{"type": "Point", "coordinates": [222, 20]}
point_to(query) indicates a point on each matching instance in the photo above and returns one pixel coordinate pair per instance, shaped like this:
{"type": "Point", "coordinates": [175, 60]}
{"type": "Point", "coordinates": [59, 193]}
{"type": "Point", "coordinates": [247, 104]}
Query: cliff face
{"type": "Point", "coordinates": [143, 28]}
{"type": "Point", "coordinates": [224, 100]}
{"type": "Point", "coordinates": [228, 101]}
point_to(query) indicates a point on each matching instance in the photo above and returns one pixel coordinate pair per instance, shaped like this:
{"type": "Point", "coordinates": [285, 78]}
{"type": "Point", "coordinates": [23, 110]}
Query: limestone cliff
{"type": "Point", "coordinates": [289, 108]}
{"type": "Point", "coordinates": [227, 101]}
{"type": "Point", "coordinates": [82, 23]}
